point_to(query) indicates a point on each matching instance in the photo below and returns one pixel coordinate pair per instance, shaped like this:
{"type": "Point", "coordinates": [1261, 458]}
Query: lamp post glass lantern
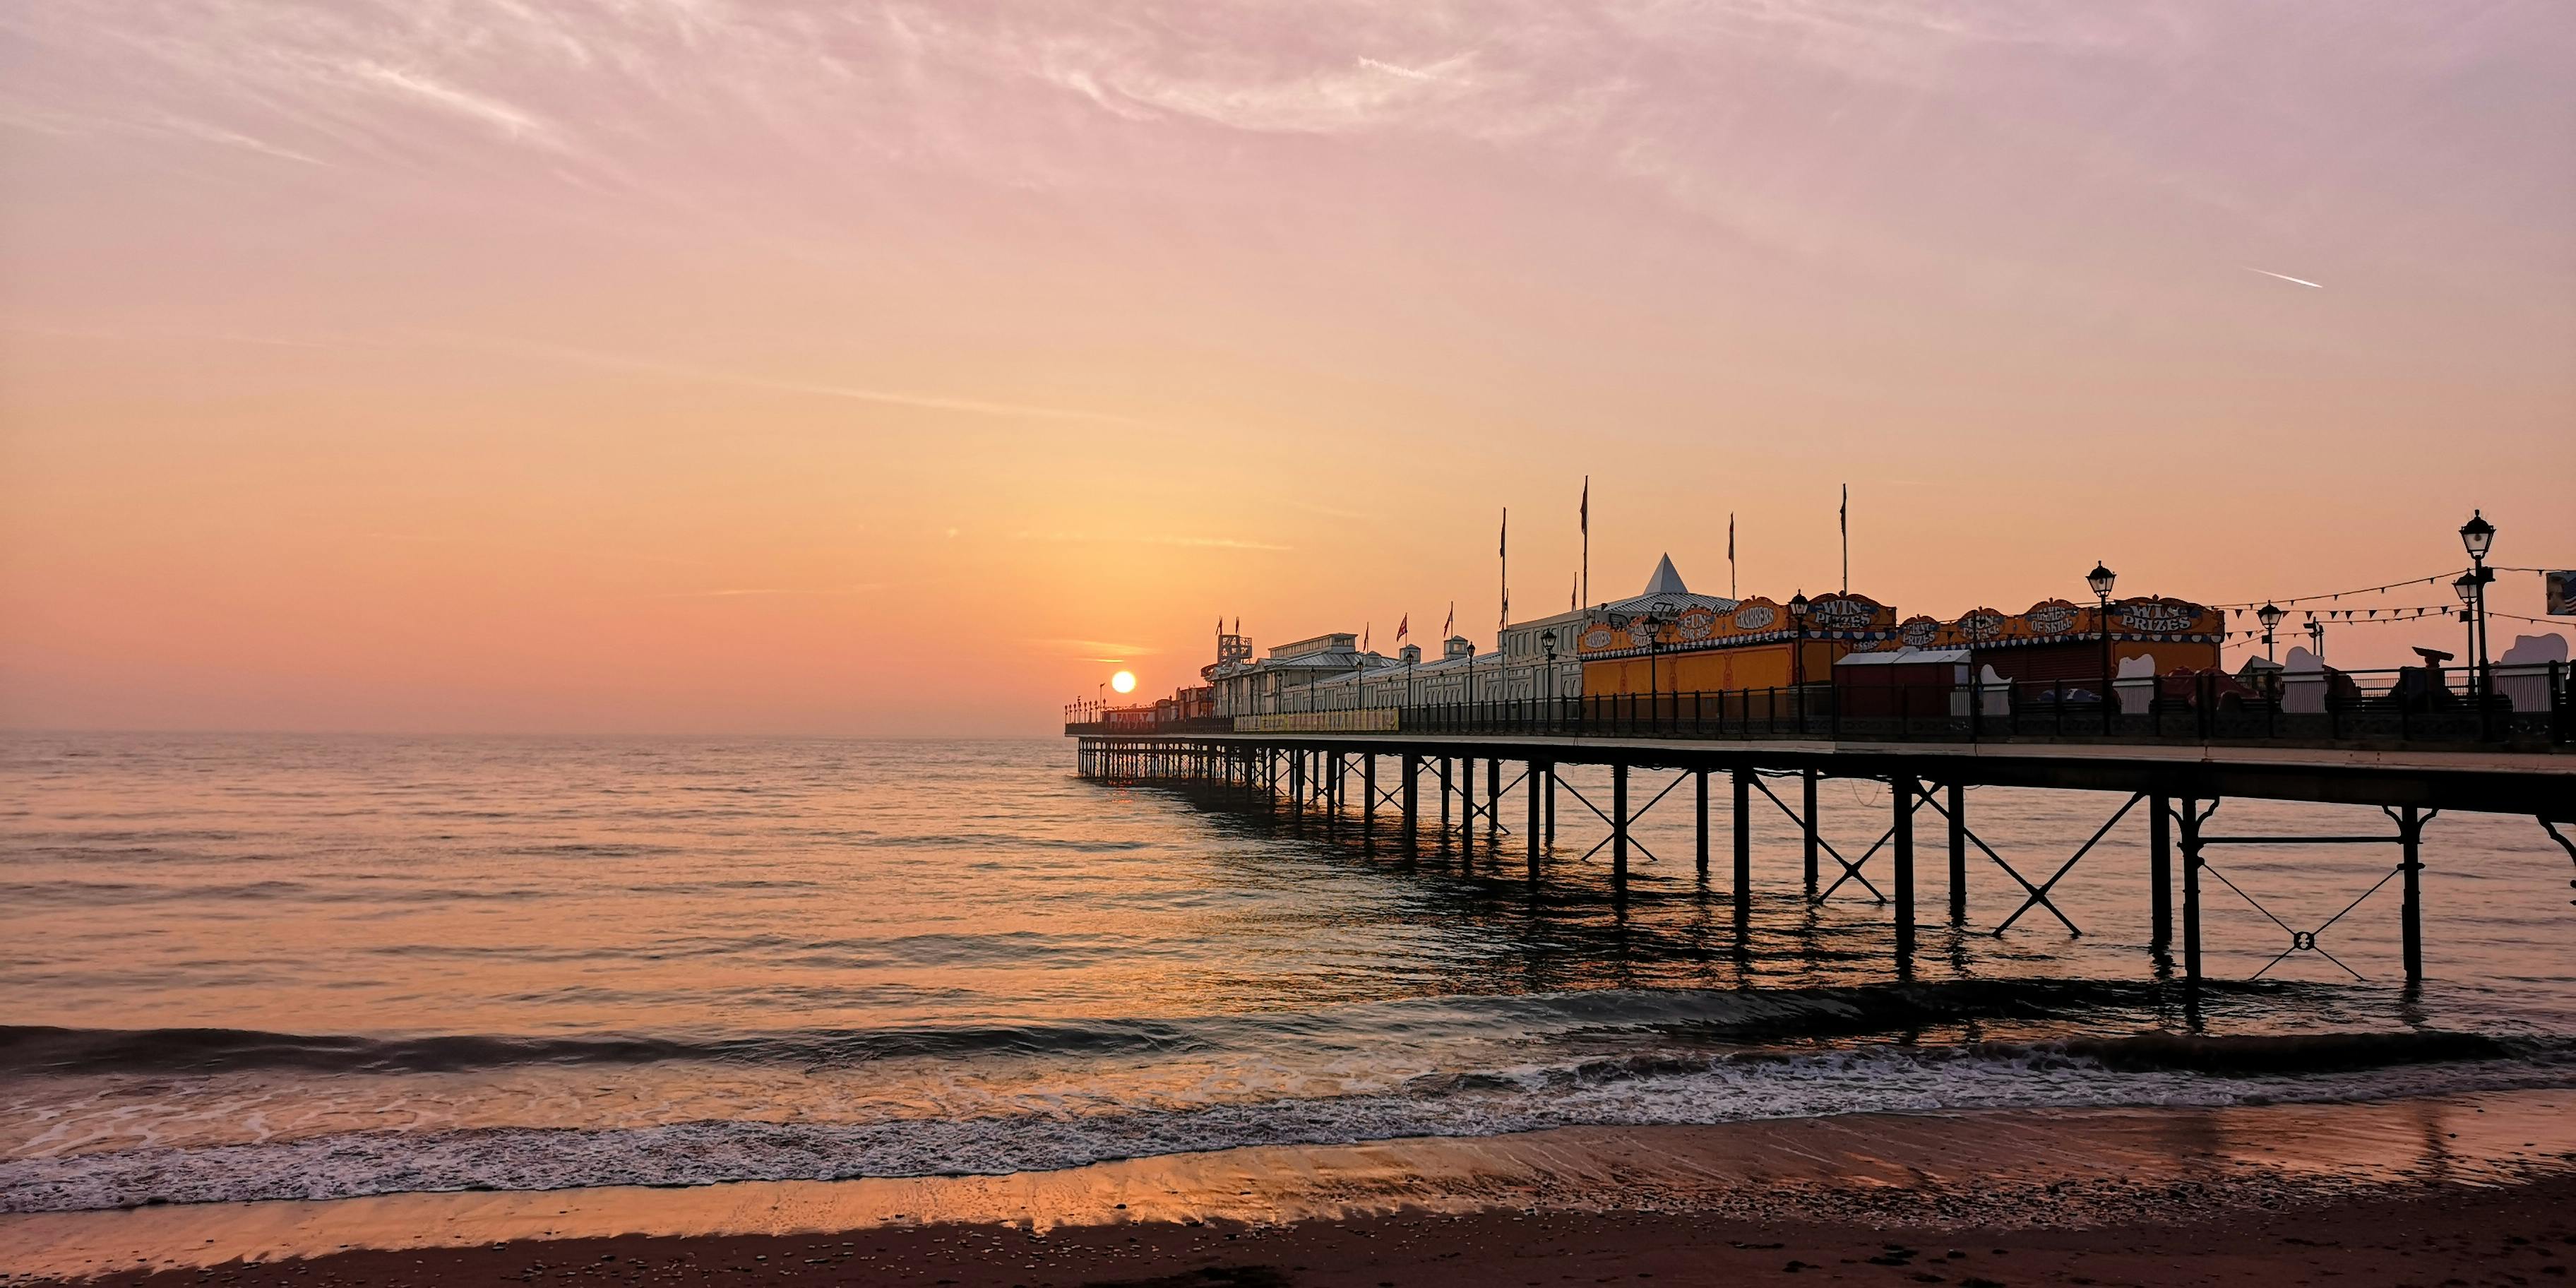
{"type": "Point", "coordinates": [2270, 616]}
{"type": "Point", "coordinates": [2477, 536]}
{"type": "Point", "coordinates": [2101, 579]}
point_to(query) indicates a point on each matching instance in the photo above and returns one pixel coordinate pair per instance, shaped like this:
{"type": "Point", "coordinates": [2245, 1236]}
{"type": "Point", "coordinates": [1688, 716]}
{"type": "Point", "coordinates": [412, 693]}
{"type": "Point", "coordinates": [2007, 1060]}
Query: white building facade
{"type": "Point", "coordinates": [1536, 661]}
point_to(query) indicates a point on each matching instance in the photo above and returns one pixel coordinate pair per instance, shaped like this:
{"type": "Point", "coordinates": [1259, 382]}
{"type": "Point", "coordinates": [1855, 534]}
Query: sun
{"type": "Point", "coordinates": [1124, 682]}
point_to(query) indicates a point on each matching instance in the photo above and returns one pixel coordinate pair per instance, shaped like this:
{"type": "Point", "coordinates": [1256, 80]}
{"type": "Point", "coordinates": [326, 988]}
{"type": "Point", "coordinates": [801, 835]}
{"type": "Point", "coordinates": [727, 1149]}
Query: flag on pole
{"type": "Point", "coordinates": [1364, 638]}
{"type": "Point", "coordinates": [1583, 516]}
{"type": "Point", "coordinates": [1730, 555]}
{"type": "Point", "coordinates": [1403, 627]}
{"type": "Point", "coordinates": [1449, 626]}
{"type": "Point", "coordinates": [1846, 525]}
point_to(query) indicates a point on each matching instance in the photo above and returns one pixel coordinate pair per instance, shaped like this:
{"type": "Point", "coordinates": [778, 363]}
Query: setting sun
{"type": "Point", "coordinates": [1124, 682]}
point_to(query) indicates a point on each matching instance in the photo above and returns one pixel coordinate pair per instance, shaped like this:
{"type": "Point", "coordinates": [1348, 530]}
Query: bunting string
{"type": "Point", "coordinates": [2436, 579]}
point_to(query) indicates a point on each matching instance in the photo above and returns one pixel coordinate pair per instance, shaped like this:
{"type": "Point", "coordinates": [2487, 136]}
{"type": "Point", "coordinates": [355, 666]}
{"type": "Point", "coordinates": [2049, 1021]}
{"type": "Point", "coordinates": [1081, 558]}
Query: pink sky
{"type": "Point", "coordinates": [680, 365]}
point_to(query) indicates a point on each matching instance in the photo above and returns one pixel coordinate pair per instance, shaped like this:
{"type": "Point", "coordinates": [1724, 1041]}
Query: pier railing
{"type": "Point", "coordinates": [2527, 706]}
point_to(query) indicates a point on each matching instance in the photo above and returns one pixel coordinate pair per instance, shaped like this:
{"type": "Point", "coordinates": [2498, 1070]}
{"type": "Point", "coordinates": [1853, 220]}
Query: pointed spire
{"type": "Point", "coordinates": [1665, 581]}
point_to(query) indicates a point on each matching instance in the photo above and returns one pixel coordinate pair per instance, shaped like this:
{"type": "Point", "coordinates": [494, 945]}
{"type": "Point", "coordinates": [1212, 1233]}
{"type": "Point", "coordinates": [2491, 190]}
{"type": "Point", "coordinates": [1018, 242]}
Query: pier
{"type": "Point", "coordinates": [1496, 767]}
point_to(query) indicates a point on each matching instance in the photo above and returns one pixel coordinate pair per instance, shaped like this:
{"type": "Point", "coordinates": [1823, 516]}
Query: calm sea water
{"type": "Point", "coordinates": [256, 967]}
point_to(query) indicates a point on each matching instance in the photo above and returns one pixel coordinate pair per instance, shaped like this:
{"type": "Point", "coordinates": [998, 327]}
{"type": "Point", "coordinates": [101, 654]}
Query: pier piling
{"type": "Point", "coordinates": [1368, 797]}
{"type": "Point", "coordinates": [1447, 764]}
{"type": "Point", "coordinates": [2410, 916]}
{"type": "Point", "coordinates": [1412, 803]}
{"type": "Point", "coordinates": [1958, 794]}
{"type": "Point", "coordinates": [1901, 789]}
{"type": "Point", "coordinates": [1619, 823]}
{"type": "Point", "coordinates": [1493, 795]}
{"type": "Point", "coordinates": [1536, 793]}
{"type": "Point", "coordinates": [2160, 872]}
{"type": "Point", "coordinates": [2191, 820]}
{"type": "Point", "coordinates": [1743, 842]}
{"type": "Point", "coordinates": [1701, 778]}
{"type": "Point", "coordinates": [1807, 824]}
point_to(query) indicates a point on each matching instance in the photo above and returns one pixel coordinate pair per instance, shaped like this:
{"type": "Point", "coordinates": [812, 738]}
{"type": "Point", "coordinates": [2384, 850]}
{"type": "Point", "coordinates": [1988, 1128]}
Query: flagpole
{"type": "Point", "coordinates": [1585, 514]}
{"type": "Point", "coordinates": [1846, 519]}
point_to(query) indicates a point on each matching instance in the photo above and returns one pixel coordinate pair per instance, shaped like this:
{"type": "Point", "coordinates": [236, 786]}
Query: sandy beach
{"type": "Point", "coordinates": [2469, 1189]}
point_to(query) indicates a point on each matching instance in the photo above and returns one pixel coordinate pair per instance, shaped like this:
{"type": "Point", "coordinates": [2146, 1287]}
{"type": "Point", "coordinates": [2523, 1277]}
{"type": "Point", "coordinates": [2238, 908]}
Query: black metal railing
{"type": "Point", "coordinates": [2525, 705]}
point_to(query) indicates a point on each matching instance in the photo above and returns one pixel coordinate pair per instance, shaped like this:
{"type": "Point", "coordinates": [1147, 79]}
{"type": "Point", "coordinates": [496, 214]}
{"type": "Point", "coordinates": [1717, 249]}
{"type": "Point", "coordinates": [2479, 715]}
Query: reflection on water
{"type": "Point", "coordinates": [896, 956]}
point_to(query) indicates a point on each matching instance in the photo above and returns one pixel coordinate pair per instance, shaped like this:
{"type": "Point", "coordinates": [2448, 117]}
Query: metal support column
{"type": "Point", "coordinates": [1807, 825]}
{"type": "Point", "coordinates": [2160, 871]}
{"type": "Point", "coordinates": [1619, 823]}
{"type": "Point", "coordinates": [1700, 778]}
{"type": "Point", "coordinates": [1743, 841]}
{"type": "Point", "coordinates": [2410, 917]}
{"type": "Point", "coordinates": [1368, 795]}
{"type": "Point", "coordinates": [1901, 788]}
{"type": "Point", "coordinates": [1493, 794]}
{"type": "Point", "coordinates": [1958, 853]}
{"type": "Point", "coordinates": [1537, 775]}
{"type": "Point", "coordinates": [1412, 801]}
{"type": "Point", "coordinates": [1446, 764]}
{"type": "Point", "coordinates": [1551, 804]}
{"type": "Point", "coordinates": [2191, 891]}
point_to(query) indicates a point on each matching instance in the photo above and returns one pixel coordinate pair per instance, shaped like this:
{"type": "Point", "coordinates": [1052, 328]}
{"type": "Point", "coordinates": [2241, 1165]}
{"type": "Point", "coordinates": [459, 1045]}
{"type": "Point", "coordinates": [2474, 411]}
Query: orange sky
{"type": "Point", "coordinates": [700, 367]}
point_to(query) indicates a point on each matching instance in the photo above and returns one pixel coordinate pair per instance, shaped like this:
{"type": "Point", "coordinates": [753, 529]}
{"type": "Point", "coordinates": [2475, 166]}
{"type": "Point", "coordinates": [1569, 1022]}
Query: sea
{"type": "Point", "coordinates": [311, 967]}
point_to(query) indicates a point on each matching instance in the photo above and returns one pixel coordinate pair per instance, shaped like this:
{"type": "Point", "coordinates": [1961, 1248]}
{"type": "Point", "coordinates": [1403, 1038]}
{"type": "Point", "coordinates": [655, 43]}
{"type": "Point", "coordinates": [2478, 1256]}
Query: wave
{"type": "Point", "coordinates": [1665, 1090]}
{"type": "Point", "coordinates": [2103, 1015]}
{"type": "Point", "coordinates": [33, 1049]}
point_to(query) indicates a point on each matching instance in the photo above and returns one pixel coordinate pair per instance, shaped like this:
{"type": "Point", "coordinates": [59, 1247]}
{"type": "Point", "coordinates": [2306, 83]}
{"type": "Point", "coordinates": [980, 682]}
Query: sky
{"type": "Point", "coordinates": [689, 366]}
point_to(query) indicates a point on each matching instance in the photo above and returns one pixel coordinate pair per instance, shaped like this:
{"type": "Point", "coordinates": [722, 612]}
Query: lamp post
{"type": "Point", "coordinates": [1654, 644]}
{"type": "Point", "coordinates": [1547, 649]}
{"type": "Point", "coordinates": [2101, 580]}
{"type": "Point", "coordinates": [2467, 589]}
{"type": "Point", "coordinates": [2477, 536]}
{"type": "Point", "coordinates": [2270, 615]}
{"type": "Point", "coordinates": [2317, 641]}
{"type": "Point", "coordinates": [1798, 607]}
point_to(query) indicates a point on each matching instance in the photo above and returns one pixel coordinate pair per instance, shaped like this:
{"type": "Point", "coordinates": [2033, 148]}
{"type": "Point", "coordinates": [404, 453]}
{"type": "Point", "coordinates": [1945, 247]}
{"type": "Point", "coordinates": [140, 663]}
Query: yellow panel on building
{"type": "Point", "coordinates": [1721, 670]}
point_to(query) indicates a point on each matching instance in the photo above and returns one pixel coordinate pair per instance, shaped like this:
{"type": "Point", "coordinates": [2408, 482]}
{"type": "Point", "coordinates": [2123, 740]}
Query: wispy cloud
{"type": "Point", "coordinates": [819, 389]}
{"type": "Point", "coordinates": [1212, 543]}
{"type": "Point", "coordinates": [733, 592]}
{"type": "Point", "coordinates": [2285, 277]}
{"type": "Point", "coordinates": [512, 122]}
{"type": "Point", "coordinates": [513, 348]}
{"type": "Point", "coordinates": [1122, 652]}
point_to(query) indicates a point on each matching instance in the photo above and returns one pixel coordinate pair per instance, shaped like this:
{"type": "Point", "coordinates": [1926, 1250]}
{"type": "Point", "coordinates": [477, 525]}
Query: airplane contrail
{"type": "Point", "coordinates": [2283, 276]}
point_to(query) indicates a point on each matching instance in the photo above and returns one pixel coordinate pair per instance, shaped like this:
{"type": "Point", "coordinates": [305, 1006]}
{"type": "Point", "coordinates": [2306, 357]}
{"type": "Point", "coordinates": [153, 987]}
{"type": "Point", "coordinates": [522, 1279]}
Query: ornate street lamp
{"type": "Point", "coordinates": [1798, 607]}
{"type": "Point", "coordinates": [2467, 589]}
{"type": "Point", "coordinates": [2477, 536]}
{"type": "Point", "coordinates": [1547, 648]}
{"type": "Point", "coordinates": [2271, 616]}
{"type": "Point", "coordinates": [2317, 641]}
{"type": "Point", "coordinates": [1654, 643]}
{"type": "Point", "coordinates": [2101, 580]}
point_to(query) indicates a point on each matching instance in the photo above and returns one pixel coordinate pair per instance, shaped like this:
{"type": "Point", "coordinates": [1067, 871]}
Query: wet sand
{"type": "Point", "coordinates": [2471, 1188]}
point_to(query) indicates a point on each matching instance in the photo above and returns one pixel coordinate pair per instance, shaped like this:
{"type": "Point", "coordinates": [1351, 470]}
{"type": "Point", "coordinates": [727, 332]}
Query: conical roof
{"type": "Point", "coordinates": [1665, 581]}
